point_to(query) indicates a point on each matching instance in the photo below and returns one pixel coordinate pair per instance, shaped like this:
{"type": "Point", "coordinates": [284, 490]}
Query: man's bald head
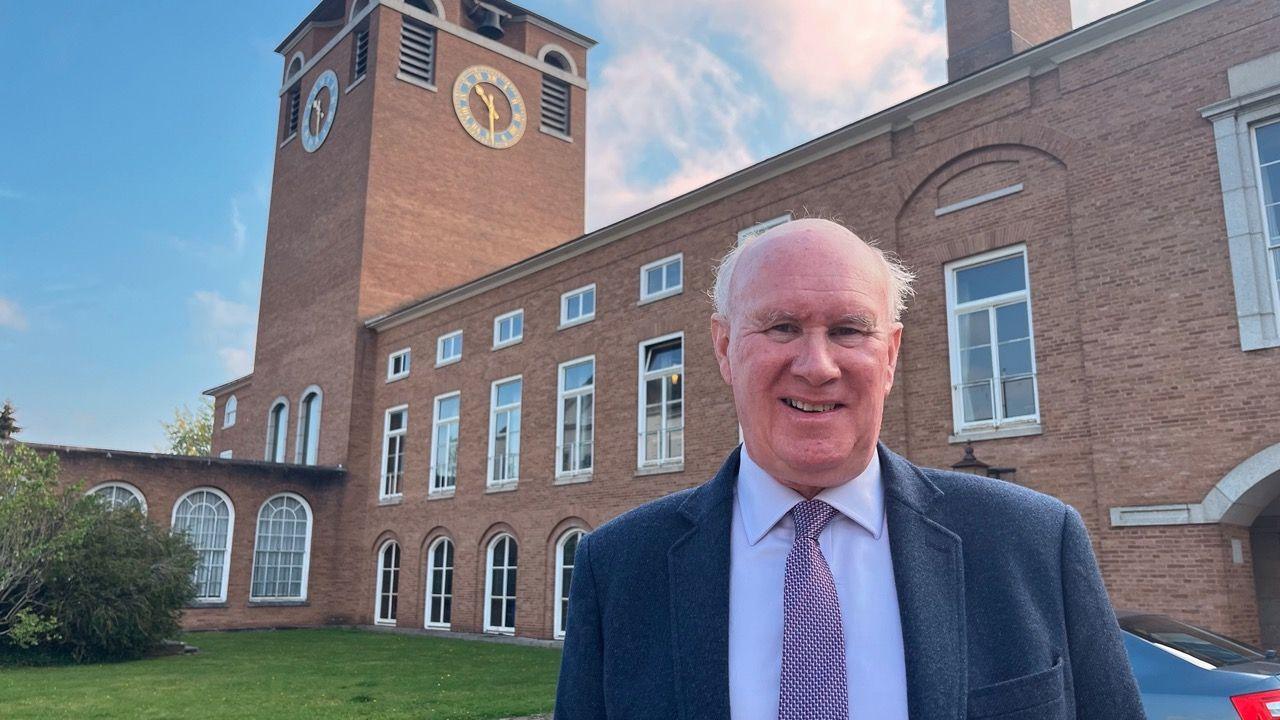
{"type": "Point", "coordinates": [756, 251]}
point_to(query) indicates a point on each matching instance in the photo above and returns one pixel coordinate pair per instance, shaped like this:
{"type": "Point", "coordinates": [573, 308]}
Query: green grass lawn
{"type": "Point", "coordinates": [296, 674]}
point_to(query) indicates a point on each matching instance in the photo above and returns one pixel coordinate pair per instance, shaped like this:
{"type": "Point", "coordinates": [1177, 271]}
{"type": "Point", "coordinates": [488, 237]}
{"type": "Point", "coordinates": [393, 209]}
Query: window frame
{"type": "Point", "coordinates": [395, 594]}
{"type": "Point", "coordinates": [565, 321]}
{"type": "Point", "coordinates": [386, 441]}
{"type": "Point", "coordinates": [646, 294]}
{"type": "Point", "coordinates": [227, 547]}
{"type": "Point", "coordinates": [762, 227]}
{"type": "Point", "coordinates": [509, 483]}
{"type": "Point", "coordinates": [436, 424]}
{"type": "Point", "coordinates": [641, 463]}
{"type": "Point", "coordinates": [279, 432]}
{"type": "Point", "coordinates": [431, 593]}
{"type": "Point", "coordinates": [441, 360]}
{"type": "Point", "coordinates": [406, 366]}
{"type": "Point", "coordinates": [304, 451]}
{"type": "Point", "coordinates": [229, 409]}
{"type": "Point", "coordinates": [1269, 250]}
{"type": "Point", "coordinates": [490, 628]}
{"type": "Point", "coordinates": [306, 552]}
{"type": "Point", "coordinates": [580, 474]}
{"type": "Point", "coordinates": [127, 487]}
{"type": "Point", "coordinates": [513, 340]}
{"type": "Point", "coordinates": [562, 593]}
{"type": "Point", "coordinates": [954, 310]}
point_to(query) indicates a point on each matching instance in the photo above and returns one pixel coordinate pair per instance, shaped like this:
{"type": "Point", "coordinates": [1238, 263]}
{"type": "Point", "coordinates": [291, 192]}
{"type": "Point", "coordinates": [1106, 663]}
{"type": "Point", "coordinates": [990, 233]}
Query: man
{"type": "Point", "coordinates": [819, 575]}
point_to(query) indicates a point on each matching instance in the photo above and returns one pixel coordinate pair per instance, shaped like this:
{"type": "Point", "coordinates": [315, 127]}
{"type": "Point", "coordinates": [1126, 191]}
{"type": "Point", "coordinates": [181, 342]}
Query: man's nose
{"type": "Point", "coordinates": [814, 361]}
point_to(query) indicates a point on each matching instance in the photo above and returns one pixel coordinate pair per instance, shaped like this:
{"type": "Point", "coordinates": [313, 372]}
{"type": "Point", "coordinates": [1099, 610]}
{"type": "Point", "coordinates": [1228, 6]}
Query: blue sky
{"type": "Point", "coordinates": [135, 166]}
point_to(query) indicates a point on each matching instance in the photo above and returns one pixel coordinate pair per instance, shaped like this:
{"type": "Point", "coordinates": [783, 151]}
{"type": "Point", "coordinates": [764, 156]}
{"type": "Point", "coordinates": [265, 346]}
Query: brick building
{"type": "Point", "coordinates": [451, 380]}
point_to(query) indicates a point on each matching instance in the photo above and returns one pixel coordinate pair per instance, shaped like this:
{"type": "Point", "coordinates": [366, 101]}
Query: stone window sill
{"type": "Point", "coordinates": [508, 486]}
{"type": "Point", "coordinates": [1008, 431]}
{"type": "Point", "coordinates": [279, 603]}
{"type": "Point", "coordinates": [391, 500]}
{"type": "Point", "coordinates": [575, 479]}
{"type": "Point", "coordinates": [660, 469]}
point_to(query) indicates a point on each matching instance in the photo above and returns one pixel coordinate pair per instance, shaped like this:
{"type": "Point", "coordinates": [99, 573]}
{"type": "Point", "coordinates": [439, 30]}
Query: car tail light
{"type": "Point", "coordinates": [1258, 706]}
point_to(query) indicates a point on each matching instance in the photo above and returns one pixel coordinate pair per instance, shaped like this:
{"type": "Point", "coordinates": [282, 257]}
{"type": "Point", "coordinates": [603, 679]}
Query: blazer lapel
{"type": "Point", "coordinates": [698, 564]}
{"type": "Point", "coordinates": [928, 569]}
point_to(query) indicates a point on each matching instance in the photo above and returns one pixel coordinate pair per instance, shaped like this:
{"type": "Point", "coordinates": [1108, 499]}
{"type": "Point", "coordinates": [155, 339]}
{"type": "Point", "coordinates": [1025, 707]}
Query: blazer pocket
{"type": "Point", "coordinates": [1007, 699]}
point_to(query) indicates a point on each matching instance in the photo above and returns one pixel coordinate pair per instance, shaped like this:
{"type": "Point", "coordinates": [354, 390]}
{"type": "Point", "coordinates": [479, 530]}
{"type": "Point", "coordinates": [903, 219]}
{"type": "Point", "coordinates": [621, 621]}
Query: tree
{"type": "Point", "coordinates": [190, 433]}
{"type": "Point", "coordinates": [8, 422]}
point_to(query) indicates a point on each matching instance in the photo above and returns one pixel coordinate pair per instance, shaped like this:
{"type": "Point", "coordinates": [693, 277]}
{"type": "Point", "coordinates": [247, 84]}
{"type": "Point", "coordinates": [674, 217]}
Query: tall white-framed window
{"type": "Point", "coordinates": [449, 348]}
{"type": "Point", "coordinates": [578, 306]}
{"type": "Point", "coordinates": [117, 494]}
{"type": "Point", "coordinates": [566, 548]}
{"type": "Point", "coordinates": [762, 227]}
{"type": "Point", "coordinates": [1266, 148]}
{"type": "Point", "coordinates": [229, 412]}
{"type": "Point", "coordinates": [388, 593]}
{"type": "Point", "coordinates": [307, 448]}
{"type": "Point", "coordinates": [661, 397]}
{"type": "Point", "coordinates": [398, 365]}
{"type": "Point", "coordinates": [282, 549]}
{"type": "Point", "coordinates": [993, 372]}
{"type": "Point", "coordinates": [504, 431]}
{"type": "Point", "coordinates": [439, 584]}
{"type": "Point", "coordinates": [444, 443]}
{"type": "Point", "coordinates": [500, 586]}
{"type": "Point", "coordinates": [662, 278]}
{"type": "Point", "coordinates": [508, 329]}
{"type": "Point", "coordinates": [394, 427]}
{"type": "Point", "coordinates": [206, 517]}
{"type": "Point", "coordinates": [575, 417]}
{"type": "Point", "coordinates": [277, 427]}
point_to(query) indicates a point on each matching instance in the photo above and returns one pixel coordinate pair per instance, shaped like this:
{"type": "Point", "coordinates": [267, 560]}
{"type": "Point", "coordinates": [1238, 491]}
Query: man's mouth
{"type": "Point", "coordinates": [810, 407]}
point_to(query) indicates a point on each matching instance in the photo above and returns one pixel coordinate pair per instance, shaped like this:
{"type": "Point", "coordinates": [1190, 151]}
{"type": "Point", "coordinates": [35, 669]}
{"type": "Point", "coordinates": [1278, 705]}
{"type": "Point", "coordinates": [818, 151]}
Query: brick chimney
{"type": "Point", "coordinates": [984, 32]}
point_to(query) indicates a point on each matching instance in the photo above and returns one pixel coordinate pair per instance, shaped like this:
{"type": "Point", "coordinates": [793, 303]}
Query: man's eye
{"type": "Point", "coordinates": [784, 328]}
{"type": "Point", "coordinates": [845, 331]}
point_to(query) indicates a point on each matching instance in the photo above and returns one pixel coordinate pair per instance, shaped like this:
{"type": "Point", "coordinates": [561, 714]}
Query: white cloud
{"type": "Point", "coordinates": [7, 194]}
{"type": "Point", "coordinates": [11, 315]}
{"type": "Point", "coordinates": [238, 229]}
{"type": "Point", "coordinates": [228, 327]}
{"type": "Point", "coordinates": [1086, 11]}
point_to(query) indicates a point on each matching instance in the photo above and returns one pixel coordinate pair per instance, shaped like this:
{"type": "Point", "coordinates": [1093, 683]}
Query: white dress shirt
{"type": "Point", "coordinates": [856, 546]}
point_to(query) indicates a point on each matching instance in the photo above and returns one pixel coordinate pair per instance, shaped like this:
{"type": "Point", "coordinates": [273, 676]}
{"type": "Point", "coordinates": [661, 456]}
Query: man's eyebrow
{"type": "Point", "coordinates": [866, 322]}
{"type": "Point", "coordinates": [768, 318]}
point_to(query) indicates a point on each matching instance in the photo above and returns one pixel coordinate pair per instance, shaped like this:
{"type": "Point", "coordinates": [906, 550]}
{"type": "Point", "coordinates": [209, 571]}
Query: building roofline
{"type": "Point", "coordinates": [319, 471]}
{"type": "Point", "coordinates": [1034, 61]}
{"type": "Point", "coordinates": [229, 385]}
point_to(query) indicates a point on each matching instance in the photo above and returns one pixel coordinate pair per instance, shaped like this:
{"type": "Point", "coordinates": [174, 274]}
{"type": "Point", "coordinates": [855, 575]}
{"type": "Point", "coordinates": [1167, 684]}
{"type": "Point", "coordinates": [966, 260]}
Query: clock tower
{"type": "Point", "coordinates": [421, 144]}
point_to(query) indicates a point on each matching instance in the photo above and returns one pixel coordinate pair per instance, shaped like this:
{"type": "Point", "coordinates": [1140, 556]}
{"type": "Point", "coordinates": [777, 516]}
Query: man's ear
{"type": "Point", "coordinates": [895, 342]}
{"type": "Point", "coordinates": [720, 343]}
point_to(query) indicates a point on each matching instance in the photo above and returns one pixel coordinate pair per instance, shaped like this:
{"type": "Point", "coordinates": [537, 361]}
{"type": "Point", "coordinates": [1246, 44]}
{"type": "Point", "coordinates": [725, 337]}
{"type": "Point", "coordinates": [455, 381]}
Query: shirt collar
{"type": "Point", "coordinates": [764, 501]}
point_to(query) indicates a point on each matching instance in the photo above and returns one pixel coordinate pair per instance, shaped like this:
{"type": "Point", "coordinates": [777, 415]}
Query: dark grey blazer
{"type": "Point", "coordinates": [1004, 615]}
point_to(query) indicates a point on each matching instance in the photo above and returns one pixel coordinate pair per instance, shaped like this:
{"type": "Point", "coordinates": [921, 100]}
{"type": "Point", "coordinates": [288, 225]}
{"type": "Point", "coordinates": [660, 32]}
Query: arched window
{"type": "Point", "coordinates": [308, 427]}
{"type": "Point", "coordinates": [425, 6]}
{"type": "Point", "coordinates": [388, 582]}
{"type": "Point", "coordinates": [295, 65]}
{"type": "Point", "coordinates": [277, 425]}
{"type": "Point", "coordinates": [565, 551]}
{"type": "Point", "coordinates": [120, 495]}
{"type": "Point", "coordinates": [440, 583]}
{"type": "Point", "coordinates": [282, 549]}
{"type": "Point", "coordinates": [500, 586]}
{"type": "Point", "coordinates": [557, 60]}
{"type": "Point", "coordinates": [229, 412]}
{"type": "Point", "coordinates": [206, 517]}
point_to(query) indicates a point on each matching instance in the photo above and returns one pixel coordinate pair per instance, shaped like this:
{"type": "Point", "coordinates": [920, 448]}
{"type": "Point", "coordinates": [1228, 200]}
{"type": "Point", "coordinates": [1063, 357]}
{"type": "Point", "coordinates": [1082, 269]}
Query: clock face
{"type": "Point", "coordinates": [321, 107]}
{"type": "Point", "coordinates": [489, 106]}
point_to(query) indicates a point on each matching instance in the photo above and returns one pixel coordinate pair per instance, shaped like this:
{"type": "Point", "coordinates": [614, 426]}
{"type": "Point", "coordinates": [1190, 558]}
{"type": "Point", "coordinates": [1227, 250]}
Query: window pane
{"type": "Point", "coordinates": [517, 325]}
{"type": "Point", "coordinates": [653, 280]}
{"type": "Point", "coordinates": [1273, 228]}
{"type": "Point", "coordinates": [975, 329]}
{"type": "Point", "coordinates": [509, 621]}
{"type": "Point", "coordinates": [579, 375]}
{"type": "Point", "coordinates": [1271, 184]}
{"type": "Point", "coordinates": [975, 364]}
{"type": "Point", "coordinates": [1015, 358]}
{"type": "Point", "coordinates": [663, 355]}
{"type": "Point", "coordinates": [573, 307]}
{"type": "Point", "coordinates": [1019, 397]}
{"type": "Point", "coordinates": [449, 408]}
{"type": "Point", "coordinates": [673, 274]}
{"type": "Point", "coordinates": [1269, 143]}
{"type": "Point", "coordinates": [509, 393]}
{"type": "Point", "coordinates": [977, 402]}
{"type": "Point", "coordinates": [1012, 322]}
{"type": "Point", "coordinates": [996, 278]}
{"type": "Point", "coordinates": [397, 420]}
{"type": "Point", "coordinates": [589, 302]}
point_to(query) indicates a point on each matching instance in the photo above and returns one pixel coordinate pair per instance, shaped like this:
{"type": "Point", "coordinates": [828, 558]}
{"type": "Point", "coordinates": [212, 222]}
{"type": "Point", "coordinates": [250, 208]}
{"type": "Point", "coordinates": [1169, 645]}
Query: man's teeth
{"type": "Point", "coordinates": [810, 408]}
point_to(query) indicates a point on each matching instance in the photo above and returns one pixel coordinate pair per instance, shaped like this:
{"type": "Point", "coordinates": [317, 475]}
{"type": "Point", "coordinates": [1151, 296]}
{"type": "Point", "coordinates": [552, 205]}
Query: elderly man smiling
{"type": "Point", "coordinates": [819, 575]}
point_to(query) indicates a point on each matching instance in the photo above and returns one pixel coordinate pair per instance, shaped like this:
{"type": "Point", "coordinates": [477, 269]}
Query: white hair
{"type": "Point", "coordinates": [899, 277]}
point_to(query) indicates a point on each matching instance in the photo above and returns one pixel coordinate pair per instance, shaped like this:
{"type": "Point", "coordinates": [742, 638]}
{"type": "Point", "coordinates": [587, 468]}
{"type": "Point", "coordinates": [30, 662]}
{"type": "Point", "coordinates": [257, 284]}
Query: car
{"type": "Point", "coordinates": [1186, 672]}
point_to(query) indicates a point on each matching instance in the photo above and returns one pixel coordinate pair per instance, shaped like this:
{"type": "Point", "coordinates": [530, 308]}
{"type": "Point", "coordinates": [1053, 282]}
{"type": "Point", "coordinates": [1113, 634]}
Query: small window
{"type": "Point", "coordinates": [662, 278]}
{"type": "Point", "coordinates": [508, 329]}
{"type": "Point", "coordinates": [398, 365]}
{"type": "Point", "coordinates": [282, 550]}
{"type": "Point", "coordinates": [761, 228]}
{"type": "Point", "coordinates": [229, 412]}
{"type": "Point", "coordinates": [566, 549]}
{"type": "Point", "coordinates": [440, 584]}
{"type": "Point", "coordinates": [555, 104]}
{"type": "Point", "coordinates": [277, 426]}
{"type": "Point", "coordinates": [120, 495]}
{"type": "Point", "coordinates": [500, 586]}
{"type": "Point", "coordinates": [444, 445]}
{"type": "Point", "coordinates": [662, 401]}
{"type": "Point", "coordinates": [418, 51]}
{"type": "Point", "coordinates": [575, 429]}
{"type": "Point", "coordinates": [308, 445]}
{"type": "Point", "coordinates": [293, 111]}
{"type": "Point", "coordinates": [992, 351]}
{"type": "Point", "coordinates": [578, 306]}
{"type": "Point", "coordinates": [360, 54]}
{"type": "Point", "coordinates": [504, 432]}
{"type": "Point", "coordinates": [393, 435]}
{"type": "Point", "coordinates": [388, 583]}
{"type": "Point", "coordinates": [225, 454]}
{"type": "Point", "coordinates": [449, 348]}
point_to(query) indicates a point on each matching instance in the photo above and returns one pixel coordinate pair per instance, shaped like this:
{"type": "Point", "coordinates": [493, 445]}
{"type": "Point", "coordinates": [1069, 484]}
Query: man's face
{"type": "Point", "coordinates": [809, 349]}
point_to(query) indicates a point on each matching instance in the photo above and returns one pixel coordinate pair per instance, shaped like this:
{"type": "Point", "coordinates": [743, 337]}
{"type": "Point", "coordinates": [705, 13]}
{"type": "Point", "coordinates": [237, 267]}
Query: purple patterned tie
{"type": "Point", "coordinates": [814, 683]}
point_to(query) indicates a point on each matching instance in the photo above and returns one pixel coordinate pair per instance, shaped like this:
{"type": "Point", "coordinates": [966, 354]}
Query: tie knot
{"type": "Point", "coordinates": [810, 517]}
